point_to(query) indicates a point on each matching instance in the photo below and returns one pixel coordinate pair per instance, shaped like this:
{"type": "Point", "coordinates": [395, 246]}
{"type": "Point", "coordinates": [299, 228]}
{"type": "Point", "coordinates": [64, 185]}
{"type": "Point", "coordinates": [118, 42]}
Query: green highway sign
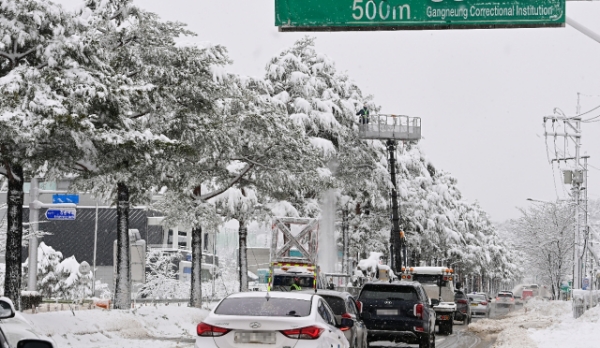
{"type": "Point", "coordinates": [345, 15]}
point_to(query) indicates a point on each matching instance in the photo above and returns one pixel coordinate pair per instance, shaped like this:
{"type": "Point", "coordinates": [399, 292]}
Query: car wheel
{"type": "Point", "coordinates": [426, 341]}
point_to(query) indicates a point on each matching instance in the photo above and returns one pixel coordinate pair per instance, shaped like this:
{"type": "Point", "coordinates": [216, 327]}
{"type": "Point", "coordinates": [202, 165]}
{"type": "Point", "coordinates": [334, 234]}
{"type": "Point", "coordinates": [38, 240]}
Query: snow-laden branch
{"type": "Point", "coordinates": [231, 183]}
{"type": "Point", "coordinates": [14, 57]}
{"type": "Point", "coordinates": [141, 114]}
{"type": "Point", "coordinates": [246, 159]}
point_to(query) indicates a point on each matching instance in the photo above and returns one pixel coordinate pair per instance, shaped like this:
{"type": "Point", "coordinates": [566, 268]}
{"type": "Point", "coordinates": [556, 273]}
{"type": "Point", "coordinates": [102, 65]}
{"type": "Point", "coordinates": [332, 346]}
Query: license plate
{"type": "Point", "coordinates": [387, 312]}
{"type": "Point", "coordinates": [255, 337]}
{"type": "Point", "coordinates": [474, 304]}
{"type": "Point", "coordinates": [443, 317]}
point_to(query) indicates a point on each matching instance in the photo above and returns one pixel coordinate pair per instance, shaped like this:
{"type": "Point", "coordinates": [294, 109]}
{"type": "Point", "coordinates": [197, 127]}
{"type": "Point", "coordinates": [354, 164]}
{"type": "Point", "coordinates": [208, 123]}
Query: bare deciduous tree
{"type": "Point", "coordinates": [545, 235]}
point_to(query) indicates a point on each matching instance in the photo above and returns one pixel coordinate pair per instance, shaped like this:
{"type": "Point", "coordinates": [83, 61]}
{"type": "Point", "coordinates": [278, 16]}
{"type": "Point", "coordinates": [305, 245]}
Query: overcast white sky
{"type": "Point", "coordinates": [481, 94]}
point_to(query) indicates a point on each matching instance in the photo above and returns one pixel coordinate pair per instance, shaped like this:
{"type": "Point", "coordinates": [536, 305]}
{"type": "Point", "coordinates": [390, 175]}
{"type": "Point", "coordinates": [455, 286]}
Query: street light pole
{"type": "Point", "coordinates": [395, 238]}
{"type": "Point", "coordinates": [34, 194]}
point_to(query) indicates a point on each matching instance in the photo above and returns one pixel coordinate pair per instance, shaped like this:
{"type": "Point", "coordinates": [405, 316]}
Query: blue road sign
{"type": "Point", "coordinates": [65, 198]}
{"type": "Point", "coordinates": [61, 214]}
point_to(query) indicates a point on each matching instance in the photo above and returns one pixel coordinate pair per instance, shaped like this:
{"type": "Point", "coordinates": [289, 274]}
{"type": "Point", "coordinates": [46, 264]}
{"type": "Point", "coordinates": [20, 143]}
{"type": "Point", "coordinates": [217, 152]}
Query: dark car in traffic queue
{"type": "Point", "coordinates": [399, 311]}
{"type": "Point", "coordinates": [463, 307]}
{"type": "Point", "coordinates": [343, 305]}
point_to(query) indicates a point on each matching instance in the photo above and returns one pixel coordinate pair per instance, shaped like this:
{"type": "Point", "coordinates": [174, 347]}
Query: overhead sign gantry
{"type": "Point", "coordinates": [349, 15]}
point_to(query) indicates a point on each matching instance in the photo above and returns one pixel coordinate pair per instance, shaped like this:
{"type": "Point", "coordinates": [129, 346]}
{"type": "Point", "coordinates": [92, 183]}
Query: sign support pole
{"type": "Point", "coordinates": [34, 193]}
{"type": "Point", "coordinates": [95, 248]}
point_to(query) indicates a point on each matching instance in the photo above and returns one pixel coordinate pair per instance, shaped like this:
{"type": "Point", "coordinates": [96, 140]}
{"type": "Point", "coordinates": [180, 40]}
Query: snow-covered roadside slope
{"type": "Point", "coordinates": [144, 327]}
{"type": "Point", "coordinates": [545, 324]}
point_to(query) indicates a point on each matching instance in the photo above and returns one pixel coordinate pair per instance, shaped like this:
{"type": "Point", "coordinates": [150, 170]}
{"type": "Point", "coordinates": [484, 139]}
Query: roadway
{"type": "Point", "coordinates": [460, 338]}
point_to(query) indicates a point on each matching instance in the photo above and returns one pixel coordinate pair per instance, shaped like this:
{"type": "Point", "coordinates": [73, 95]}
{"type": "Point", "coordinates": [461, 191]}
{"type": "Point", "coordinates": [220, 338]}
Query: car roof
{"type": "Point", "coordinates": [395, 283]}
{"type": "Point", "coordinates": [273, 294]}
{"type": "Point", "coordinates": [341, 294]}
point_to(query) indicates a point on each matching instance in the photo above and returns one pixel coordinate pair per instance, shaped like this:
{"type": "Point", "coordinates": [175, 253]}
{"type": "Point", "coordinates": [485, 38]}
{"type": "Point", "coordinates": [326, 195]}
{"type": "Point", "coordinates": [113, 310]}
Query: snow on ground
{"type": "Point", "coordinates": [547, 324]}
{"type": "Point", "coordinates": [148, 326]}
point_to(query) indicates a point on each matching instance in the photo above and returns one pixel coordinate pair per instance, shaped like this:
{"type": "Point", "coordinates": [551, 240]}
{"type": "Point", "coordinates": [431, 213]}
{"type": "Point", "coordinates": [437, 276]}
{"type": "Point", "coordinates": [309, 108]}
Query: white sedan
{"type": "Point", "coordinates": [272, 319]}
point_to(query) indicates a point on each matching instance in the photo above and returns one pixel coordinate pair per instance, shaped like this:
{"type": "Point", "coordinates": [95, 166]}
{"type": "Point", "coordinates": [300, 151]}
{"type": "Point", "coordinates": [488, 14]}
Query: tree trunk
{"type": "Point", "coordinates": [242, 257]}
{"type": "Point", "coordinates": [123, 277]}
{"type": "Point", "coordinates": [196, 287]}
{"type": "Point", "coordinates": [14, 236]}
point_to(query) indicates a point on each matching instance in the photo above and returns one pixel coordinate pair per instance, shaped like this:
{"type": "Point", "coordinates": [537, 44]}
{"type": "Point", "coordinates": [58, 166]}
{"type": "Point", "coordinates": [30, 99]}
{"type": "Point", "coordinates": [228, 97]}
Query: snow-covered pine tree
{"type": "Point", "coordinates": [324, 102]}
{"type": "Point", "coordinates": [232, 134]}
{"type": "Point", "coordinates": [44, 70]}
{"type": "Point", "coordinates": [139, 103]}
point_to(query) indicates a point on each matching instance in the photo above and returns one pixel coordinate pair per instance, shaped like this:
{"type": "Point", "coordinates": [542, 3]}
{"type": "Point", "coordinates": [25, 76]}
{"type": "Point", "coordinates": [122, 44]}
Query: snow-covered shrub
{"type": "Point", "coordinates": [161, 276]}
{"type": "Point", "coordinates": [58, 278]}
{"type": "Point", "coordinates": [72, 284]}
{"type": "Point", "coordinates": [47, 277]}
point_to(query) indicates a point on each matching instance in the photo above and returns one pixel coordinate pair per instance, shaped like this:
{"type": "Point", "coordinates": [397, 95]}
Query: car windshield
{"type": "Point", "coordinates": [386, 292]}
{"type": "Point", "coordinates": [287, 280]}
{"type": "Point", "coordinates": [504, 295]}
{"type": "Point", "coordinates": [477, 298]}
{"type": "Point", "coordinates": [428, 279]}
{"type": "Point", "coordinates": [459, 296]}
{"type": "Point", "coordinates": [264, 307]}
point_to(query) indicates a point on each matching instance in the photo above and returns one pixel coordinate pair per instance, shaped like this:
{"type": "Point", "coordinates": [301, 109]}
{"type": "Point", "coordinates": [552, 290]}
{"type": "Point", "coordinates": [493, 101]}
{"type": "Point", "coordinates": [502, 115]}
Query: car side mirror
{"type": "Point", "coordinates": [435, 302]}
{"type": "Point", "coordinates": [345, 322]}
{"type": "Point", "coordinates": [7, 309]}
{"type": "Point", "coordinates": [33, 343]}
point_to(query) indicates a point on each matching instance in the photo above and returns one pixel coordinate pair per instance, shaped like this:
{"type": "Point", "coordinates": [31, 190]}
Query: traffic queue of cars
{"type": "Point", "coordinates": [399, 311]}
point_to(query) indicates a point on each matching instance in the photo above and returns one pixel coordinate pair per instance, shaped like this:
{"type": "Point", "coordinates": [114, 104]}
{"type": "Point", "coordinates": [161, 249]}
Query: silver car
{"type": "Point", "coordinates": [344, 306]}
{"type": "Point", "coordinates": [480, 304]}
{"type": "Point", "coordinates": [505, 299]}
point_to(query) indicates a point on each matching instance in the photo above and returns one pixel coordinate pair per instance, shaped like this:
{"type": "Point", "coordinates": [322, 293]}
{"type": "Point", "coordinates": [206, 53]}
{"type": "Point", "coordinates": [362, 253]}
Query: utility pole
{"type": "Point", "coordinates": [572, 131]}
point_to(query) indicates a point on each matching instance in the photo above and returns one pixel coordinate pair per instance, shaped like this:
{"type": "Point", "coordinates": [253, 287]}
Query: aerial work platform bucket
{"type": "Point", "coordinates": [391, 127]}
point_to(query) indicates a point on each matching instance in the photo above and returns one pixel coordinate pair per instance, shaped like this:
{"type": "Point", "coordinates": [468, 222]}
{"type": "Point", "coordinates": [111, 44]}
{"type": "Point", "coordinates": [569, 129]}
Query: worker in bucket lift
{"type": "Point", "coordinates": [295, 284]}
{"type": "Point", "coordinates": [364, 115]}
{"type": "Point", "coordinates": [330, 285]}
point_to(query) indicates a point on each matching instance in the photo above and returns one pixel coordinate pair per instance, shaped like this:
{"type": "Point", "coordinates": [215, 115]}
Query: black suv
{"type": "Point", "coordinates": [398, 312]}
{"type": "Point", "coordinates": [463, 307]}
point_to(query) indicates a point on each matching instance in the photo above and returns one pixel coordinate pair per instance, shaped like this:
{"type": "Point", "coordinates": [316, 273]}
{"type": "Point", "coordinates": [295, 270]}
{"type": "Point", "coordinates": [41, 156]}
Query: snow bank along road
{"type": "Point", "coordinates": [143, 327]}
